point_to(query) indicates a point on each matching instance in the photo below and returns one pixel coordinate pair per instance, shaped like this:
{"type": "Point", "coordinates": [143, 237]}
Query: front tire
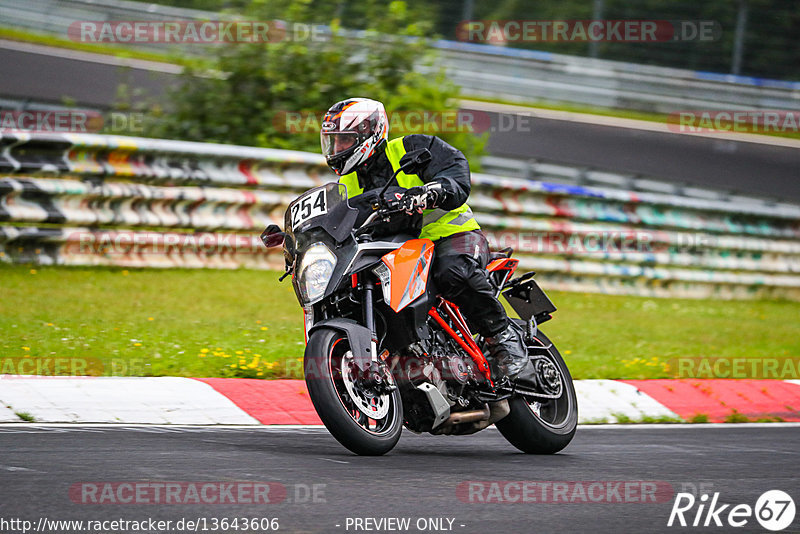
{"type": "Point", "coordinates": [342, 404]}
{"type": "Point", "coordinates": [544, 427]}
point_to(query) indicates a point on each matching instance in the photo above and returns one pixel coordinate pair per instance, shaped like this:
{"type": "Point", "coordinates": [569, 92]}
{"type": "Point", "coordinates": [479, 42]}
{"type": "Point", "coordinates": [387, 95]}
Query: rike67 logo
{"type": "Point", "coordinates": [774, 510]}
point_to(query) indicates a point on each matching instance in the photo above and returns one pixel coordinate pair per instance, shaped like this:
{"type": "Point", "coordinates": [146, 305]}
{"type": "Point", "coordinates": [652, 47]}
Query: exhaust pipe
{"type": "Point", "coordinates": [471, 416]}
{"type": "Point", "coordinates": [477, 419]}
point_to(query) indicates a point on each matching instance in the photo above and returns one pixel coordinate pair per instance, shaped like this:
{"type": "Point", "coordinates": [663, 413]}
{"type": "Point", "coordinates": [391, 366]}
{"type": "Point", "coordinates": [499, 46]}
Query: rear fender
{"type": "Point", "coordinates": [503, 264]}
{"type": "Point", "coordinates": [358, 336]}
{"type": "Point", "coordinates": [501, 269]}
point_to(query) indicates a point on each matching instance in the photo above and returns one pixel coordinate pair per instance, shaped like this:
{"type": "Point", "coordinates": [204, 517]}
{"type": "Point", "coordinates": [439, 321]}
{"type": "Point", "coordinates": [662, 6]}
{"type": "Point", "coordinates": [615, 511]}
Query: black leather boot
{"type": "Point", "coordinates": [508, 357]}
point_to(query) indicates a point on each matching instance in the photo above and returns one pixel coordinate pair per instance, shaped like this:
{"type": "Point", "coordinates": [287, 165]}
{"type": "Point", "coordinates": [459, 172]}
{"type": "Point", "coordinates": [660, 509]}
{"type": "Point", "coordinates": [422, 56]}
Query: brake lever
{"type": "Point", "coordinates": [284, 275]}
{"type": "Point", "coordinates": [368, 221]}
{"type": "Point", "coordinates": [380, 213]}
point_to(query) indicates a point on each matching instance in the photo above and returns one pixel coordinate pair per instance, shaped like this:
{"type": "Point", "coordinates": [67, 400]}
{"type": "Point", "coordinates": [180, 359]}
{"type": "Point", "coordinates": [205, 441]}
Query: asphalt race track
{"type": "Point", "coordinates": [418, 480]}
{"type": "Point", "coordinates": [39, 73]}
{"type": "Point", "coordinates": [715, 162]}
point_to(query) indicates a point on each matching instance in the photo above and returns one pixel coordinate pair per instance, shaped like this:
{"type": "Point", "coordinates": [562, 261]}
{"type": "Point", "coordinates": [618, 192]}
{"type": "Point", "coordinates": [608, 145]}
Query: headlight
{"type": "Point", "coordinates": [316, 269]}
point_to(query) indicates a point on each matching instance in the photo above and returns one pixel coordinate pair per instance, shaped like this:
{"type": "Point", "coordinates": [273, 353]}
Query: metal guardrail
{"type": "Point", "coordinates": [55, 16]}
{"type": "Point", "coordinates": [488, 71]}
{"type": "Point", "coordinates": [102, 200]}
{"type": "Point", "coordinates": [525, 76]}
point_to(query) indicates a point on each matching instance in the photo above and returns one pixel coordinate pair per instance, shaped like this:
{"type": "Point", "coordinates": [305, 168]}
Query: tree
{"type": "Point", "coordinates": [770, 48]}
{"type": "Point", "coordinates": [243, 92]}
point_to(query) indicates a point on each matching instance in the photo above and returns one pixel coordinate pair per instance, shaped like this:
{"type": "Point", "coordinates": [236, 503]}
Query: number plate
{"type": "Point", "coordinates": [528, 300]}
{"type": "Point", "coordinates": [312, 205]}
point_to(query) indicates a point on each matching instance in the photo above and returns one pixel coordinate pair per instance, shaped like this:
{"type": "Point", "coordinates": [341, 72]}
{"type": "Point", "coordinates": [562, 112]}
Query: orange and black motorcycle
{"type": "Point", "coordinates": [384, 350]}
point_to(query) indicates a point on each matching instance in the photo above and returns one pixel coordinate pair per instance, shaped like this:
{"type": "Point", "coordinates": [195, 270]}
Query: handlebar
{"type": "Point", "coordinates": [378, 214]}
{"type": "Point", "coordinates": [371, 218]}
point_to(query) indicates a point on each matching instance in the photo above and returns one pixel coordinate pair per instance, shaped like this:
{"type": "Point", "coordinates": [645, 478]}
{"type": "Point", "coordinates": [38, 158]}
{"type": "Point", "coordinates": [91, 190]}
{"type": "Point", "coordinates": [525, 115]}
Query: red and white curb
{"type": "Point", "coordinates": [241, 401]}
{"type": "Point", "coordinates": [163, 400]}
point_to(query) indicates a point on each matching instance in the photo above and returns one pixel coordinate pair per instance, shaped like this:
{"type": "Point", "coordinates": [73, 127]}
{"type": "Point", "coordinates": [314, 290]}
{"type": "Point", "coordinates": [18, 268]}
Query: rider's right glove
{"type": "Point", "coordinates": [418, 198]}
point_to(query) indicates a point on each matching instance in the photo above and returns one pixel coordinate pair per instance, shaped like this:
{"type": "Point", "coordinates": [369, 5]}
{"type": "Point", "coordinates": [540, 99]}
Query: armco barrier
{"type": "Point", "coordinates": [80, 199]}
{"type": "Point", "coordinates": [527, 75]}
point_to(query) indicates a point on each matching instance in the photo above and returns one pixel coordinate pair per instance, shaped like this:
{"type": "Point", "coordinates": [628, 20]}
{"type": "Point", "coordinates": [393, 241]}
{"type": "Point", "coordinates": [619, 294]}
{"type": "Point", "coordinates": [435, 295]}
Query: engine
{"type": "Point", "coordinates": [433, 362]}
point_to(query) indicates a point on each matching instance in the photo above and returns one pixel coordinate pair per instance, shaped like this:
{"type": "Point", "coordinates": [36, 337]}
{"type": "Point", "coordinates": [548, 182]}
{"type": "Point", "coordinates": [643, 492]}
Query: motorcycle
{"type": "Point", "coordinates": [384, 350]}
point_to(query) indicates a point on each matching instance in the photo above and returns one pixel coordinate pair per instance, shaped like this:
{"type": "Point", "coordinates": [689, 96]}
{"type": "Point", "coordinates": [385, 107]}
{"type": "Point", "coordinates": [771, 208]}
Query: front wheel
{"type": "Point", "coordinates": [365, 421]}
{"type": "Point", "coordinates": [543, 426]}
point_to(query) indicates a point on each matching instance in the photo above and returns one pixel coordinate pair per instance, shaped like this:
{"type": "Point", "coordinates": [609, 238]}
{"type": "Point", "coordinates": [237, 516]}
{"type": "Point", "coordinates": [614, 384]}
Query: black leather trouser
{"type": "Point", "coordinates": [459, 272]}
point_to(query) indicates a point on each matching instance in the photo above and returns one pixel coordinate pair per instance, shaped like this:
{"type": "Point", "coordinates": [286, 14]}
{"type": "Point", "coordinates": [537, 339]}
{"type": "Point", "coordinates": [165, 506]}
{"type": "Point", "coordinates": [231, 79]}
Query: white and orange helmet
{"type": "Point", "coordinates": [351, 131]}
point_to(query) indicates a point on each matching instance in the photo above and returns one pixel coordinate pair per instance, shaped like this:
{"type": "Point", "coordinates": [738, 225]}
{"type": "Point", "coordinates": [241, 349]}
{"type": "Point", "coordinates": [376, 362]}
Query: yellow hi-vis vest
{"type": "Point", "coordinates": [436, 223]}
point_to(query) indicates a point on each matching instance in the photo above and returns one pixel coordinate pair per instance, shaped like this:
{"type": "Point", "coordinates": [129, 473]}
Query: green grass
{"type": "Point", "coordinates": [151, 322]}
{"type": "Point", "coordinates": [25, 416]}
{"type": "Point", "coordinates": [603, 336]}
{"type": "Point", "coordinates": [244, 323]}
{"type": "Point", "coordinates": [661, 420]}
{"type": "Point", "coordinates": [623, 419]}
{"type": "Point", "coordinates": [736, 417]}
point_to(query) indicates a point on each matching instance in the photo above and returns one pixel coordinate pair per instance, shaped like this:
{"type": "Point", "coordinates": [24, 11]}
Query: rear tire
{"type": "Point", "coordinates": [335, 405]}
{"type": "Point", "coordinates": [554, 426]}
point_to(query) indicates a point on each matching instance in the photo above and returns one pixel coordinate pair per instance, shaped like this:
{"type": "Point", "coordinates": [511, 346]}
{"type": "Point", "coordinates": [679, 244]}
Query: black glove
{"type": "Point", "coordinates": [421, 197]}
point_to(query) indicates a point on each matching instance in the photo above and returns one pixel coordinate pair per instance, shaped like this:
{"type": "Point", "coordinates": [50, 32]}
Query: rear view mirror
{"type": "Point", "coordinates": [415, 161]}
{"type": "Point", "coordinates": [272, 236]}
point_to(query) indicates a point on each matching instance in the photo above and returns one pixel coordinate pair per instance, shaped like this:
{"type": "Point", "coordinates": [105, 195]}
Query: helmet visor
{"type": "Point", "coordinates": [335, 143]}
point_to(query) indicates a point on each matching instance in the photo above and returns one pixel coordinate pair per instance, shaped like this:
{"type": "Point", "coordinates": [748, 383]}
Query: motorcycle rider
{"type": "Point", "coordinates": [354, 137]}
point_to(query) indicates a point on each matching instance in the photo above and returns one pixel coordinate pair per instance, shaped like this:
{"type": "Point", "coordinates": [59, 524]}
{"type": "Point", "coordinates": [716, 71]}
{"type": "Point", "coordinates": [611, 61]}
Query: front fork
{"type": "Point", "coordinates": [378, 375]}
{"type": "Point", "coordinates": [308, 320]}
{"type": "Point", "coordinates": [369, 318]}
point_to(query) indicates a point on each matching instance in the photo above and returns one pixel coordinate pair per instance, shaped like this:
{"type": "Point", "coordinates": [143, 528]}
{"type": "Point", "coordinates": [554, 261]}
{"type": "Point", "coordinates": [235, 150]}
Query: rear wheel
{"type": "Point", "coordinates": [365, 421]}
{"type": "Point", "coordinates": [543, 426]}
